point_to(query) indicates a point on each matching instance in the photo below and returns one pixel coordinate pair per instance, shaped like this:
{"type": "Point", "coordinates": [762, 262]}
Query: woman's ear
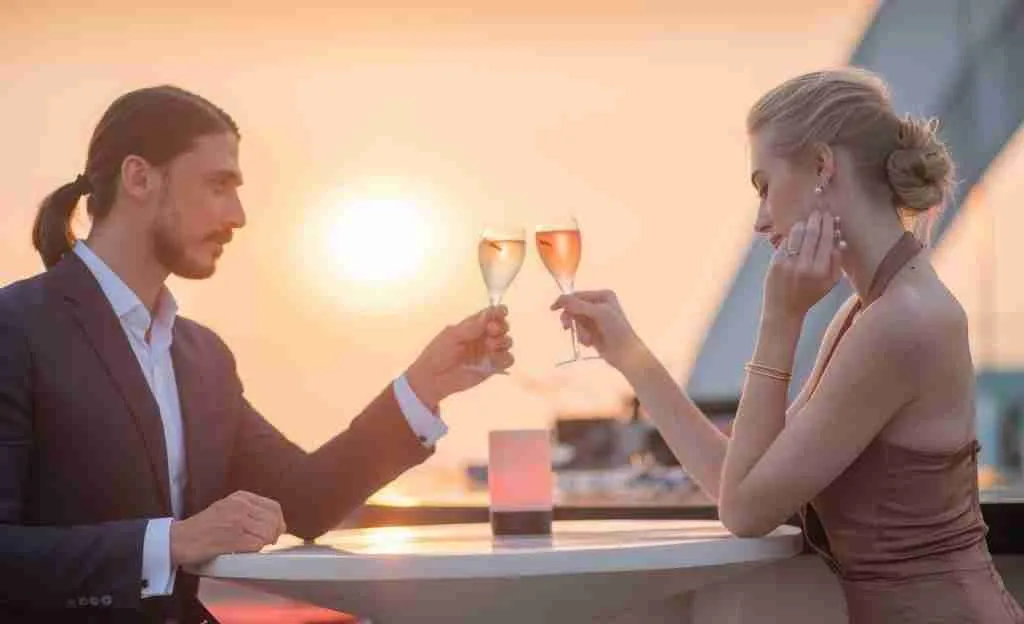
{"type": "Point", "coordinates": [824, 161]}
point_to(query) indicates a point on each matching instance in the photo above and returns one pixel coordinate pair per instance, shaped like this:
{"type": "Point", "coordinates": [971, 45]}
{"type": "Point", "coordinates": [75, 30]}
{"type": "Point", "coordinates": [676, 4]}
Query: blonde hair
{"type": "Point", "coordinates": [851, 108]}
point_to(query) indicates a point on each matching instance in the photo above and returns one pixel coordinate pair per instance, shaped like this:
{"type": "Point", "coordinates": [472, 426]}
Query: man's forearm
{"type": "Point", "coordinates": [316, 490]}
{"type": "Point", "coordinates": [61, 567]}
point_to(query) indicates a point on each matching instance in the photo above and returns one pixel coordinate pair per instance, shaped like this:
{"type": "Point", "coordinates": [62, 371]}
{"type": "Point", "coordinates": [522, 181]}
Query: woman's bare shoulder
{"type": "Point", "coordinates": [838, 319]}
{"type": "Point", "coordinates": [923, 309]}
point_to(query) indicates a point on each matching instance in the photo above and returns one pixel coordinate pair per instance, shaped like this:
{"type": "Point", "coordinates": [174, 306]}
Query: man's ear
{"type": "Point", "coordinates": [138, 177]}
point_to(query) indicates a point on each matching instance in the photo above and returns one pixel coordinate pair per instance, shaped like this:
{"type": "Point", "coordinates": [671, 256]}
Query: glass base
{"type": "Point", "coordinates": [582, 358]}
{"type": "Point", "coordinates": [484, 368]}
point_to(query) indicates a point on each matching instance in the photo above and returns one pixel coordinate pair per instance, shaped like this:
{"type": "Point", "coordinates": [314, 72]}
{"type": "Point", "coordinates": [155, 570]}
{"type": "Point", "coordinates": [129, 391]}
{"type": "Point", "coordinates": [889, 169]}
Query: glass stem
{"type": "Point", "coordinates": [575, 340]}
{"type": "Point", "coordinates": [572, 330]}
{"type": "Point", "coordinates": [495, 301]}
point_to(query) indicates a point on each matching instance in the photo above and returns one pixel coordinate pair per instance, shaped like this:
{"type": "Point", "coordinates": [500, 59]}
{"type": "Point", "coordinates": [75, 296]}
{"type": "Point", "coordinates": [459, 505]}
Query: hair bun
{"type": "Point", "coordinates": [919, 169]}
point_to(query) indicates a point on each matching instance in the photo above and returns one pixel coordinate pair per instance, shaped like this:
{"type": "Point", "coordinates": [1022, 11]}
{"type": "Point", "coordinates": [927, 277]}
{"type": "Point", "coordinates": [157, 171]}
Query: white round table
{"type": "Point", "coordinates": [461, 573]}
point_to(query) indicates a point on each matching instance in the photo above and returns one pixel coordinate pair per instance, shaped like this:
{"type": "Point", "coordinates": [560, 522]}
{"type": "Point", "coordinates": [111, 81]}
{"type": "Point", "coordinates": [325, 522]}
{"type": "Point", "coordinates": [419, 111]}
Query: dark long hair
{"type": "Point", "coordinates": [156, 124]}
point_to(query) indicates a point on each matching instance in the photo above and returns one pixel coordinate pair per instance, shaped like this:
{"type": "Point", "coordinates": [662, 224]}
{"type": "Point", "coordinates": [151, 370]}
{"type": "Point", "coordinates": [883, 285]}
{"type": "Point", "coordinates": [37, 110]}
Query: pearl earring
{"type": "Point", "coordinates": [818, 190]}
{"type": "Point", "coordinates": [837, 235]}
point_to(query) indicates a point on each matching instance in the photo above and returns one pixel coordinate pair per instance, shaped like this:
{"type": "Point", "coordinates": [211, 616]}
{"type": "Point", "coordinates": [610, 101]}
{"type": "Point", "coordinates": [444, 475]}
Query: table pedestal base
{"type": "Point", "coordinates": [564, 599]}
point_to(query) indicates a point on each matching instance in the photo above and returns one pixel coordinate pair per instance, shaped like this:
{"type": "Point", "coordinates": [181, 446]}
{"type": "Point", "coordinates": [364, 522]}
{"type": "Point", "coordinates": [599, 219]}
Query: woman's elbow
{"type": "Point", "coordinates": [740, 522]}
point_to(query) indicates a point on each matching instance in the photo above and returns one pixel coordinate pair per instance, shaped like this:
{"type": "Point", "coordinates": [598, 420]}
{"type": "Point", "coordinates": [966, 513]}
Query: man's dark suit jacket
{"type": "Point", "coordinates": [83, 464]}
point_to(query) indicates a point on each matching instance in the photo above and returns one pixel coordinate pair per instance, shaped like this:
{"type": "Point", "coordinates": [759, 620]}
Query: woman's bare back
{"type": "Point", "coordinates": [941, 417]}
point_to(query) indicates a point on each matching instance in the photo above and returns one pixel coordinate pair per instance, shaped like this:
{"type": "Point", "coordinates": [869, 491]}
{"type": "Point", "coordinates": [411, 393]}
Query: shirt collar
{"type": "Point", "coordinates": [126, 304]}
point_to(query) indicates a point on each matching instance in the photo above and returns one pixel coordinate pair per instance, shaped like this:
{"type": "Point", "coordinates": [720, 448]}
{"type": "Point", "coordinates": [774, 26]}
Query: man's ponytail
{"type": "Point", "coordinates": [51, 234]}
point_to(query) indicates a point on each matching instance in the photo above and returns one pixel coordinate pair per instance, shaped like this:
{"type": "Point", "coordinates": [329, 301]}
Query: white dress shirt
{"type": "Point", "coordinates": [153, 352]}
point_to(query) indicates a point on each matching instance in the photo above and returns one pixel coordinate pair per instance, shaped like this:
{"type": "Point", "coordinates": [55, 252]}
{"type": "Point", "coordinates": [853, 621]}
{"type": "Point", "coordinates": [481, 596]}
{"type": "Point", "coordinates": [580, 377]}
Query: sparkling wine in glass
{"type": "Point", "coordinates": [560, 246]}
{"type": "Point", "coordinates": [500, 252]}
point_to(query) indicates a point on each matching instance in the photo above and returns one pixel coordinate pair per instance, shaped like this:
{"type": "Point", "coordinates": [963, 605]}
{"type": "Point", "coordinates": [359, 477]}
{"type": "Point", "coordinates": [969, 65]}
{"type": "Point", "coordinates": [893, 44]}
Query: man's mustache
{"type": "Point", "coordinates": [221, 238]}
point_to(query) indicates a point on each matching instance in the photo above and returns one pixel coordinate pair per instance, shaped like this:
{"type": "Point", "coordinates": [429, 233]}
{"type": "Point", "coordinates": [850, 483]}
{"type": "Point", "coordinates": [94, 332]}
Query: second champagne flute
{"type": "Point", "coordinates": [559, 245]}
{"type": "Point", "coordinates": [501, 251]}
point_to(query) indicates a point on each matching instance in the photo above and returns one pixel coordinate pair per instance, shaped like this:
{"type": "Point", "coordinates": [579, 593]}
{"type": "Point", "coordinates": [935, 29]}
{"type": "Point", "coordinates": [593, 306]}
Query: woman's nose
{"type": "Point", "coordinates": [763, 223]}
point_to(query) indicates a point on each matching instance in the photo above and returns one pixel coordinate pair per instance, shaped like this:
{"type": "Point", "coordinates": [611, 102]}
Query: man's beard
{"type": "Point", "coordinates": [172, 254]}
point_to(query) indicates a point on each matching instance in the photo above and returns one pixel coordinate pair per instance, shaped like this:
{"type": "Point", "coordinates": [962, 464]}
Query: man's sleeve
{"type": "Point", "coordinates": [52, 567]}
{"type": "Point", "coordinates": [317, 490]}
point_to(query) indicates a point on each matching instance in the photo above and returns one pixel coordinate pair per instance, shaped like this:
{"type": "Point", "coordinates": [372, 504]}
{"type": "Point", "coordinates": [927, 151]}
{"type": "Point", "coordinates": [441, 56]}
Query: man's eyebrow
{"type": "Point", "coordinates": [226, 175]}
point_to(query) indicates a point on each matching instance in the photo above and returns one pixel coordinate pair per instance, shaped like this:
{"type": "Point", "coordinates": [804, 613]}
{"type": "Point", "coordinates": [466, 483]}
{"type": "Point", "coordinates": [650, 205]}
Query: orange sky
{"type": "Point", "coordinates": [628, 114]}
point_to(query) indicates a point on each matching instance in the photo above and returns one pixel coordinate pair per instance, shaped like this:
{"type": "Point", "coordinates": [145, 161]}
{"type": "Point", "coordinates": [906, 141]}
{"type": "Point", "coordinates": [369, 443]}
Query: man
{"type": "Point", "coordinates": [127, 447]}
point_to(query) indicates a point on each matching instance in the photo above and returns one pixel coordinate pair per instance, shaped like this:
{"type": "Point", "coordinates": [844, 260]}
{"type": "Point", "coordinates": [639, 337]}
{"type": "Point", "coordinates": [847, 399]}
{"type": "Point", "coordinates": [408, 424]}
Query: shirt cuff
{"type": "Point", "coordinates": [427, 425]}
{"type": "Point", "coordinates": [157, 573]}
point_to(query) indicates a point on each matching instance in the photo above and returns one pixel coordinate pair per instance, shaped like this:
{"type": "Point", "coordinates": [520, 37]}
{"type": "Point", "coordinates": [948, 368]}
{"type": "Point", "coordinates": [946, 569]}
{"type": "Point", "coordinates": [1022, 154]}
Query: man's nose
{"type": "Point", "coordinates": [236, 214]}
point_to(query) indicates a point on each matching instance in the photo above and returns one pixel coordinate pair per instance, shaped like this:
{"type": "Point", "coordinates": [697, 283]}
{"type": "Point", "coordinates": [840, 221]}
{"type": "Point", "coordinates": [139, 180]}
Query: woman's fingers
{"type": "Point", "coordinates": [795, 239]}
{"type": "Point", "coordinates": [591, 296]}
{"type": "Point", "coordinates": [578, 307]}
{"type": "Point", "coordinates": [826, 243]}
{"type": "Point", "coordinates": [811, 238]}
{"type": "Point", "coordinates": [585, 334]}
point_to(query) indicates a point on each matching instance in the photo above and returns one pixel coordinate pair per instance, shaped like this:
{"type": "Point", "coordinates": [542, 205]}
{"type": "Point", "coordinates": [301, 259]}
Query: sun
{"type": "Point", "coordinates": [372, 247]}
{"type": "Point", "coordinates": [378, 240]}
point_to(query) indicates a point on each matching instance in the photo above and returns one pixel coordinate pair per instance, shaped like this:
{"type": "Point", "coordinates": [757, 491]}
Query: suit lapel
{"type": "Point", "coordinates": [102, 328]}
{"type": "Point", "coordinates": [200, 445]}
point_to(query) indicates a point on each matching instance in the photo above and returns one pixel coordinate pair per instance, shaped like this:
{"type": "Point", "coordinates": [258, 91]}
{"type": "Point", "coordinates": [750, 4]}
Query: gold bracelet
{"type": "Point", "coordinates": [768, 371]}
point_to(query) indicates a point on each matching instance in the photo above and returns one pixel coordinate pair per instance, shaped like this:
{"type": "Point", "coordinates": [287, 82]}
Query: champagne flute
{"type": "Point", "coordinates": [501, 251]}
{"type": "Point", "coordinates": [559, 245]}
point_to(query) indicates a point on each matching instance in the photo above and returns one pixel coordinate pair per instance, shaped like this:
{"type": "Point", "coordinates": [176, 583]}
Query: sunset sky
{"type": "Point", "coordinates": [628, 115]}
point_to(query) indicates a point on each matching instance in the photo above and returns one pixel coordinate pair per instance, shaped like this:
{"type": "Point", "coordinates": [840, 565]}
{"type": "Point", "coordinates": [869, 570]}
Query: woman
{"type": "Point", "coordinates": [880, 441]}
